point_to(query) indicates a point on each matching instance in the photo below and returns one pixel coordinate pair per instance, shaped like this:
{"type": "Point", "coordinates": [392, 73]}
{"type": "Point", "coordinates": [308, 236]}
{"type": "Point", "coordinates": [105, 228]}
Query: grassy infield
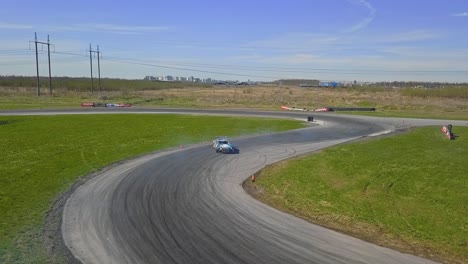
{"type": "Point", "coordinates": [408, 192]}
{"type": "Point", "coordinates": [42, 156]}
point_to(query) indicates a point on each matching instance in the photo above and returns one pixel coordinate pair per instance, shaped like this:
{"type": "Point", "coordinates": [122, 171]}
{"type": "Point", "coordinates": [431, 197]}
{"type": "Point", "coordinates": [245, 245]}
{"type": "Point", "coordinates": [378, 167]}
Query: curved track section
{"type": "Point", "coordinates": [188, 206]}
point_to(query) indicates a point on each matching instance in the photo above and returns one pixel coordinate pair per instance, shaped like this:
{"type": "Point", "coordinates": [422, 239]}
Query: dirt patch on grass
{"type": "Point", "coordinates": [52, 233]}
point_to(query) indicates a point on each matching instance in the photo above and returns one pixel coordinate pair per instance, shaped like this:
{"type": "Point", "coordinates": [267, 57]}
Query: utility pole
{"type": "Point", "coordinates": [99, 66]}
{"type": "Point", "coordinates": [50, 75]}
{"type": "Point", "coordinates": [37, 63]}
{"type": "Point", "coordinates": [37, 67]}
{"type": "Point", "coordinates": [91, 65]}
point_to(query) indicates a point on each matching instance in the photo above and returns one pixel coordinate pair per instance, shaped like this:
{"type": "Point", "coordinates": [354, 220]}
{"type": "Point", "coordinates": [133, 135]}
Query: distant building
{"type": "Point", "coordinates": [330, 84]}
{"type": "Point", "coordinates": [169, 78]}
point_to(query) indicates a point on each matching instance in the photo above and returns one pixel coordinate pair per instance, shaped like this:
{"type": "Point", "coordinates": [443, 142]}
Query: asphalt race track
{"type": "Point", "coordinates": [188, 206]}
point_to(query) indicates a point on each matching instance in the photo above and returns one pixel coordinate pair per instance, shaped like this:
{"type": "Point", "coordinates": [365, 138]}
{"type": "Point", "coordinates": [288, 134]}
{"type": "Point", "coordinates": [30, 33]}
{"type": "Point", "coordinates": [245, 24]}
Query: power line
{"type": "Point", "coordinates": [204, 67]}
{"type": "Point", "coordinates": [71, 54]}
{"type": "Point", "coordinates": [279, 69]}
{"type": "Point", "coordinates": [157, 63]}
{"type": "Point", "coordinates": [283, 69]}
{"type": "Point", "coordinates": [15, 53]}
{"type": "Point", "coordinates": [28, 62]}
{"type": "Point", "coordinates": [188, 69]}
{"type": "Point", "coordinates": [299, 69]}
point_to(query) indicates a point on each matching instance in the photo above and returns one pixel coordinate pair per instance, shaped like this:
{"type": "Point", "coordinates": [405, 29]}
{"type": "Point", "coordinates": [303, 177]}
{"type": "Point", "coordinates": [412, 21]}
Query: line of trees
{"type": "Point", "coordinates": [84, 83]}
{"type": "Point", "coordinates": [410, 84]}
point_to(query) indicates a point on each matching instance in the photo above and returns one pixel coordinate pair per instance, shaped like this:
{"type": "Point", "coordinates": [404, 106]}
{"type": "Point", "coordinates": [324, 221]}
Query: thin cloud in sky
{"type": "Point", "coordinates": [367, 20]}
{"type": "Point", "coordinates": [364, 62]}
{"type": "Point", "coordinates": [410, 36]}
{"type": "Point", "coordinates": [109, 28]}
{"type": "Point", "coordinates": [295, 41]}
{"type": "Point", "coordinates": [4, 25]}
{"type": "Point", "coordinates": [121, 29]}
{"type": "Point", "coordinates": [464, 14]}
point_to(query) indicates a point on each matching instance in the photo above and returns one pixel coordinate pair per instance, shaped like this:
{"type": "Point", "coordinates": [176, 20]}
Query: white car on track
{"type": "Point", "coordinates": [222, 145]}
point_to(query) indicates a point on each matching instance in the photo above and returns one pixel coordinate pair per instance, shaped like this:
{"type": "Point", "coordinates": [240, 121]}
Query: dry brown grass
{"type": "Point", "coordinates": [269, 97]}
{"type": "Point", "coordinates": [275, 96]}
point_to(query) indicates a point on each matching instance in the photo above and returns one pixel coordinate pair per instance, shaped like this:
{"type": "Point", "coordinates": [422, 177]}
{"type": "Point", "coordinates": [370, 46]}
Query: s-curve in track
{"type": "Point", "coordinates": [188, 206]}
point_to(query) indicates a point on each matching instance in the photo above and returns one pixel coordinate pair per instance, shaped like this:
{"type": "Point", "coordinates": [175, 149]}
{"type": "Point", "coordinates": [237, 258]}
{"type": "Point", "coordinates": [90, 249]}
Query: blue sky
{"type": "Point", "coordinates": [341, 40]}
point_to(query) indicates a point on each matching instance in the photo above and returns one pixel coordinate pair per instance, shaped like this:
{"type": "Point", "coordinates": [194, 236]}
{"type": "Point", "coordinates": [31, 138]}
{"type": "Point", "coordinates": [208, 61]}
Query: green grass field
{"type": "Point", "coordinates": [42, 156]}
{"type": "Point", "coordinates": [409, 192]}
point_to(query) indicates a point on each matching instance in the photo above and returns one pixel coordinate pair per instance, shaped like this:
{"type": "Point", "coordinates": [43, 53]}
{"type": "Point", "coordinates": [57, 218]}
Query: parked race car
{"type": "Point", "coordinates": [222, 145]}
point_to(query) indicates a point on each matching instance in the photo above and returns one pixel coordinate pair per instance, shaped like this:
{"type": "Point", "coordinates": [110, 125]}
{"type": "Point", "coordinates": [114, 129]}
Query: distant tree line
{"type": "Point", "coordinates": [393, 84]}
{"type": "Point", "coordinates": [84, 84]}
{"type": "Point", "coordinates": [412, 84]}
{"type": "Point", "coordinates": [297, 82]}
